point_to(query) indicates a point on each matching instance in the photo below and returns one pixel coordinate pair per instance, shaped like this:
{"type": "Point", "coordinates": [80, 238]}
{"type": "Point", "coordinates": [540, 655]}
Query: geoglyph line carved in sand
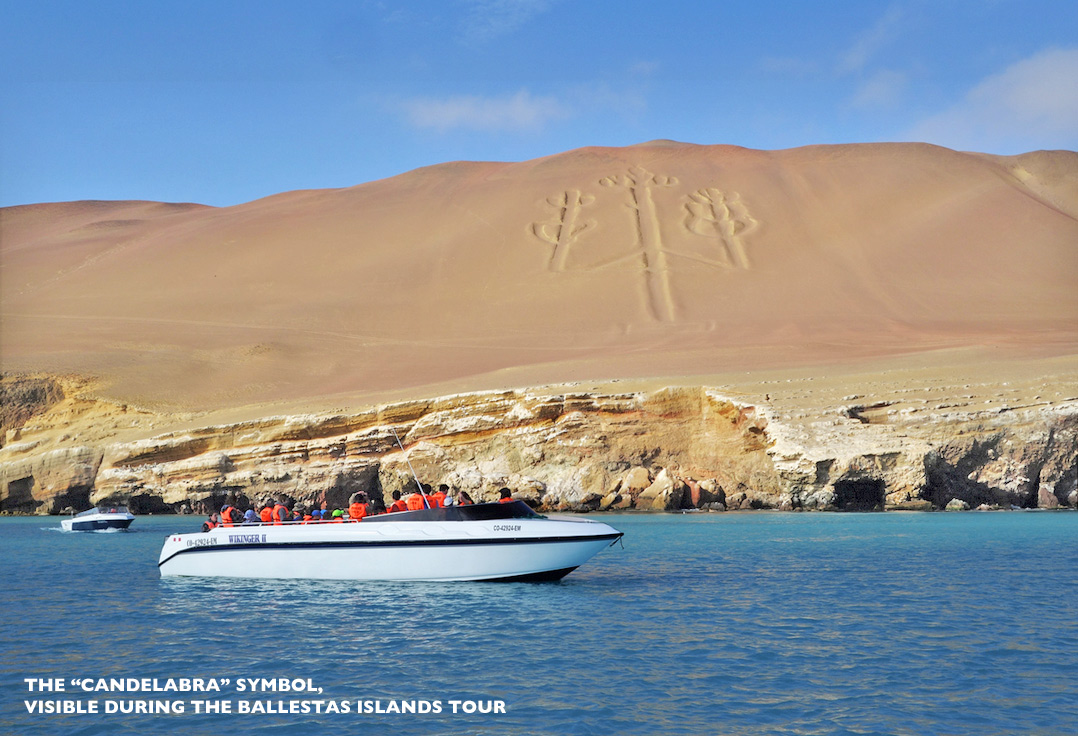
{"type": "Point", "coordinates": [710, 213]}
{"type": "Point", "coordinates": [566, 226]}
{"type": "Point", "coordinates": [715, 214]}
{"type": "Point", "coordinates": [639, 182]}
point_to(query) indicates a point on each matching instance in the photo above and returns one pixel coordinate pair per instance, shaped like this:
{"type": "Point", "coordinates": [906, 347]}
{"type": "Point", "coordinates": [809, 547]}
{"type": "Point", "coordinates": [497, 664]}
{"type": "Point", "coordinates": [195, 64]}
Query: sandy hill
{"type": "Point", "coordinates": [657, 260]}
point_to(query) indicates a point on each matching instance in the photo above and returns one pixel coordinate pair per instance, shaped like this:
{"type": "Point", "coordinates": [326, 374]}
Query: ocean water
{"type": "Point", "coordinates": [755, 623]}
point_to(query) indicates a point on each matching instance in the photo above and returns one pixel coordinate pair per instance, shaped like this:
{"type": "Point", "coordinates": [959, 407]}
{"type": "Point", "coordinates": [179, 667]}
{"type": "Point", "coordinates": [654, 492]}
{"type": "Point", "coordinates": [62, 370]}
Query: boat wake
{"type": "Point", "coordinates": [110, 530]}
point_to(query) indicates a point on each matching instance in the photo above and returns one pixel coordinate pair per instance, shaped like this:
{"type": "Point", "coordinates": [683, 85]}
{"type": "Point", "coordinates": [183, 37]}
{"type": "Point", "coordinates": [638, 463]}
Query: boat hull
{"type": "Point", "coordinates": [508, 549]}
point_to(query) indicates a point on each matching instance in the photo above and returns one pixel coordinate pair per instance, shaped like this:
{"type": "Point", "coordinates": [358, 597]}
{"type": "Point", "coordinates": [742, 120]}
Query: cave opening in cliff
{"type": "Point", "coordinates": [20, 497]}
{"type": "Point", "coordinates": [859, 495]}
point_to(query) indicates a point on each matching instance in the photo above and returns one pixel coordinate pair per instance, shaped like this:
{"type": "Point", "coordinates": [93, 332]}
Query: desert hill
{"type": "Point", "coordinates": [660, 259]}
{"type": "Point", "coordinates": [850, 326]}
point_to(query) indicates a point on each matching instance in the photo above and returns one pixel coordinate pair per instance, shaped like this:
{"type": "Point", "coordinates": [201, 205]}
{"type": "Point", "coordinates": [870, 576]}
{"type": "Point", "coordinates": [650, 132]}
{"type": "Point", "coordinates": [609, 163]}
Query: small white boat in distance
{"type": "Point", "coordinates": [487, 541]}
{"type": "Point", "coordinates": [103, 517]}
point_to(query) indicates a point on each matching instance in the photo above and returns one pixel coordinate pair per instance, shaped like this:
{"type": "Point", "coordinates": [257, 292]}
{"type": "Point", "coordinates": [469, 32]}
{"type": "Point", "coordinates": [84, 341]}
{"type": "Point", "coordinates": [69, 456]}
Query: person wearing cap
{"type": "Point", "coordinates": [505, 496]}
{"type": "Point", "coordinates": [250, 518]}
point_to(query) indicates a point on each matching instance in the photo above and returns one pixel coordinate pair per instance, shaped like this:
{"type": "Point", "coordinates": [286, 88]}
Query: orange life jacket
{"type": "Point", "coordinates": [437, 500]}
{"type": "Point", "coordinates": [226, 516]}
{"type": "Point", "coordinates": [207, 525]}
{"type": "Point", "coordinates": [280, 514]}
{"type": "Point", "coordinates": [398, 505]}
{"type": "Point", "coordinates": [307, 518]}
{"type": "Point", "coordinates": [266, 515]}
{"type": "Point", "coordinates": [506, 500]}
{"type": "Point", "coordinates": [415, 502]}
{"type": "Point", "coordinates": [357, 510]}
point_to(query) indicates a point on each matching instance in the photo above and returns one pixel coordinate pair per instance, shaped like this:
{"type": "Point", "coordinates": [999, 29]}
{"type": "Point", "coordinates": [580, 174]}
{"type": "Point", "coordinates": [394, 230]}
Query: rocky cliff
{"type": "Point", "coordinates": [668, 449]}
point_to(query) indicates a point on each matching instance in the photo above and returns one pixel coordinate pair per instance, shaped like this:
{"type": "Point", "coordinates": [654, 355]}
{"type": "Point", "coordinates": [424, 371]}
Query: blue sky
{"type": "Point", "coordinates": [224, 102]}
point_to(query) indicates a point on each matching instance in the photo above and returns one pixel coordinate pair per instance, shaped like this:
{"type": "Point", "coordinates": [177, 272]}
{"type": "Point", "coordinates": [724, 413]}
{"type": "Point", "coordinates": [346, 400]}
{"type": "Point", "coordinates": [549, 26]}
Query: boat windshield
{"type": "Point", "coordinates": [105, 510]}
{"type": "Point", "coordinates": [471, 512]}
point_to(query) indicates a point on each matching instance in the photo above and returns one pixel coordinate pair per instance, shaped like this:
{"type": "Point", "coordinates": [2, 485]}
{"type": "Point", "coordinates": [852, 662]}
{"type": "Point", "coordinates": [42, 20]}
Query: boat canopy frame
{"type": "Point", "coordinates": [469, 512]}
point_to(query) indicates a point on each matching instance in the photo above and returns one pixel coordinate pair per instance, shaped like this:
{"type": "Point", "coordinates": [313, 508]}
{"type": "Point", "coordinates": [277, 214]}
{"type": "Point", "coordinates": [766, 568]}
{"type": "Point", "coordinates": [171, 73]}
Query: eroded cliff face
{"type": "Point", "coordinates": [676, 448]}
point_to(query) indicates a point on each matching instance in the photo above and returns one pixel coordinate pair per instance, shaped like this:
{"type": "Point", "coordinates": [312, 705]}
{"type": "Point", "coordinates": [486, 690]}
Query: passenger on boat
{"type": "Point", "coordinates": [230, 515]}
{"type": "Point", "coordinates": [280, 513]}
{"type": "Point", "coordinates": [464, 499]}
{"type": "Point", "coordinates": [210, 523]}
{"type": "Point", "coordinates": [358, 508]}
{"type": "Point", "coordinates": [415, 502]}
{"type": "Point", "coordinates": [438, 497]}
{"type": "Point", "coordinates": [338, 516]}
{"type": "Point", "coordinates": [398, 503]}
{"type": "Point", "coordinates": [504, 496]}
{"type": "Point", "coordinates": [250, 518]}
{"type": "Point", "coordinates": [266, 512]}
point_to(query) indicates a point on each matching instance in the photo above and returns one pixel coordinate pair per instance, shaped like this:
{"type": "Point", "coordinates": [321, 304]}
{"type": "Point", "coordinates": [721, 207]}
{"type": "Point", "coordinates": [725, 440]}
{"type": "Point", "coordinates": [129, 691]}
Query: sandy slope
{"type": "Point", "coordinates": [656, 261]}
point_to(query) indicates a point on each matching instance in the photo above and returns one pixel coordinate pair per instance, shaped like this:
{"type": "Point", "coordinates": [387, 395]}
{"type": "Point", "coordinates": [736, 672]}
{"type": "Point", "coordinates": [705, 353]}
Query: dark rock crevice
{"type": "Point", "coordinates": [860, 495]}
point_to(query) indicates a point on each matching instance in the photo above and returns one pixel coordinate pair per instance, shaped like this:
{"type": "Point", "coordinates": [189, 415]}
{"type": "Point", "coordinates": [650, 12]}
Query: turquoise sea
{"type": "Point", "coordinates": [752, 623]}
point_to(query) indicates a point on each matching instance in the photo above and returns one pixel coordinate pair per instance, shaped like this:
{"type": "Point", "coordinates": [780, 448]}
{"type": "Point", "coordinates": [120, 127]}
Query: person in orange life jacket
{"type": "Point", "coordinates": [505, 496]}
{"type": "Point", "coordinates": [338, 516]}
{"type": "Point", "coordinates": [439, 496]}
{"type": "Point", "coordinates": [280, 514]}
{"type": "Point", "coordinates": [210, 523]}
{"type": "Point", "coordinates": [464, 499]}
{"type": "Point", "coordinates": [266, 513]}
{"type": "Point", "coordinates": [358, 508]}
{"type": "Point", "coordinates": [398, 504]}
{"type": "Point", "coordinates": [230, 515]}
{"type": "Point", "coordinates": [415, 502]}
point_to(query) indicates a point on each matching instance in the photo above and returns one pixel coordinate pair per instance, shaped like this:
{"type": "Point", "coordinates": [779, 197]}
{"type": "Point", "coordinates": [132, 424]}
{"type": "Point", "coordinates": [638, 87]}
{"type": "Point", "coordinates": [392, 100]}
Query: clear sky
{"type": "Point", "coordinates": [225, 101]}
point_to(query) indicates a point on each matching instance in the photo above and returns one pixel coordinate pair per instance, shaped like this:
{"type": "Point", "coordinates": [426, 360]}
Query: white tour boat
{"type": "Point", "coordinates": [102, 517]}
{"type": "Point", "coordinates": [487, 541]}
